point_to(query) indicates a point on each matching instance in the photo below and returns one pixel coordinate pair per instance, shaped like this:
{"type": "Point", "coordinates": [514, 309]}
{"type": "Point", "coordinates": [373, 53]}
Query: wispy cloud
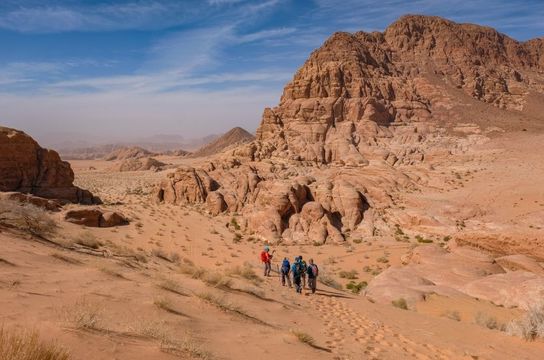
{"type": "Point", "coordinates": [100, 17]}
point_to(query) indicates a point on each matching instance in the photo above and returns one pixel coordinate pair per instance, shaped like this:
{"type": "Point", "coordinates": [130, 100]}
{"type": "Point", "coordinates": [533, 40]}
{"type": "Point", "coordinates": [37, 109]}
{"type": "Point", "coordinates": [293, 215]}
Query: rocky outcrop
{"type": "Point", "coordinates": [365, 118]}
{"type": "Point", "coordinates": [28, 168]}
{"type": "Point", "coordinates": [139, 164]}
{"type": "Point", "coordinates": [361, 88]}
{"type": "Point", "coordinates": [459, 272]}
{"type": "Point", "coordinates": [125, 153]}
{"type": "Point", "coordinates": [95, 217]}
{"type": "Point", "coordinates": [233, 137]}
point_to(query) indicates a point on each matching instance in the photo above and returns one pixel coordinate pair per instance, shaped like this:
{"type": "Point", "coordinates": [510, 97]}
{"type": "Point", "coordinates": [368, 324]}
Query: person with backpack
{"type": "Point", "coordinates": [266, 259]}
{"type": "Point", "coordinates": [312, 271]}
{"type": "Point", "coordinates": [296, 270]}
{"type": "Point", "coordinates": [303, 268]}
{"type": "Point", "coordinates": [285, 272]}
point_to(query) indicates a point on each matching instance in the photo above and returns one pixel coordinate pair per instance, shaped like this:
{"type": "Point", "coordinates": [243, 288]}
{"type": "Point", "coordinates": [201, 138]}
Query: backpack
{"type": "Point", "coordinates": [314, 269]}
{"type": "Point", "coordinates": [295, 269]}
{"type": "Point", "coordinates": [285, 264]}
{"type": "Point", "coordinates": [264, 256]}
{"type": "Point", "coordinates": [303, 266]}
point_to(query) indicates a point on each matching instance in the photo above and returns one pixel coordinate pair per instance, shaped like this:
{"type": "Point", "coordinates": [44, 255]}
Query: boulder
{"type": "Point", "coordinates": [95, 217]}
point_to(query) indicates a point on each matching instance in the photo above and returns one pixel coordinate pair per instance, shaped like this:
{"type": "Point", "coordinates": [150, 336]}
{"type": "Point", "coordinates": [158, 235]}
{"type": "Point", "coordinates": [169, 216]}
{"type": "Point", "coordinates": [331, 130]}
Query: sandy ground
{"type": "Point", "coordinates": [134, 303]}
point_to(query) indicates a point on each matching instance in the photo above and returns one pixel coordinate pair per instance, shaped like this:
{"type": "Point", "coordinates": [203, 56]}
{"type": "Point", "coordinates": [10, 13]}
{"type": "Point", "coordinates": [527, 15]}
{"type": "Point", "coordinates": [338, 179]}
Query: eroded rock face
{"type": "Point", "coordinates": [364, 119]}
{"type": "Point", "coordinates": [28, 168]}
{"type": "Point", "coordinates": [139, 164]}
{"type": "Point", "coordinates": [94, 217]}
{"type": "Point", "coordinates": [357, 88]}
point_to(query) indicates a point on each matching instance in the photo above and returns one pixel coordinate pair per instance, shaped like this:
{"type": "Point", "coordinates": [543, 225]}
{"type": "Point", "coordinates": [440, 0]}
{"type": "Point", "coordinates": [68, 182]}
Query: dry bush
{"type": "Point", "coordinates": [400, 303]}
{"type": "Point", "coordinates": [530, 326]}
{"type": "Point", "coordinates": [488, 321]}
{"type": "Point", "coordinates": [25, 345]}
{"type": "Point", "coordinates": [226, 306]}
{"type": "Point", "coordinates": [84, 315]}
{"type": "Point", "coordinates": [245, 272]}
{"type": "Point", "coordinates": [216, 280]}
{"type": "Point", "coordinates": [166, 305]}
{"type": "Point", "coordinates": [350, 275]}
{"type": "Point", "coordinates": [88, 239]}
{"type": "Point", "coordinates": [161, 254]}
{"type": "Point", "coordinates": [303, 337]}
{"type": "Point", "coordinates": [158, 330]}
{"type": "Point", "coordinates": [173, 287]}
{"type": "Point", "coordinates": [27, 218]}
{"type": "Point", "coordinates": [187, 267]}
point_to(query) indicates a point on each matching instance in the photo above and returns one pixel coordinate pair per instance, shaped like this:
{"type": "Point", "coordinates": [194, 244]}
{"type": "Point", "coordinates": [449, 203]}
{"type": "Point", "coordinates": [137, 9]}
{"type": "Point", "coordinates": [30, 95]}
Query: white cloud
{"type": "Point", "coordinates": [104, 17]}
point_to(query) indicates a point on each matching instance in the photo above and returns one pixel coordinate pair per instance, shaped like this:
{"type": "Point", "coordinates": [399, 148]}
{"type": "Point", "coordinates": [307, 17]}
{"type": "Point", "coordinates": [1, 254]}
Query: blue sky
{"type": "Point", "coordinates": [113, 69]}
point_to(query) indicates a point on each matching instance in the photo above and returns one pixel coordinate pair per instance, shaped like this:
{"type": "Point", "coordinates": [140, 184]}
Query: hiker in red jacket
{"type": "Point", "coordinates": [266, 258]}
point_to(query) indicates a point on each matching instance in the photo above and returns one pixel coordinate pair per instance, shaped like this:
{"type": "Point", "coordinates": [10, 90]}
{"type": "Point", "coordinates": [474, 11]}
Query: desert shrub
{"type": "Point", "coordinates": [216, 280]}
{"type": "Point", "coordinates": [25, 345]}
{"type": "Point", "coordinates": [161, 254]}
{"type": "Point", "coordinates": [237, 238]}
{"type": "Point", "coordinates": [245, 272]}
{"type": "Point", "coordinates": [422, 240]}
{"type": "Point", "coordinates": [27, 218]}
{"type": "Point", "coordinates": [382, 260]}
{"type": "Point", "coordinates": [84, 315]}
{"type": "Point", "coordinates": [234, 224]}
{"type": "Point", "coordinates": [303, 337]}
{"type": "Point", "coordinates": [356, 287]}
{"type": "Point", "coordinates": [87, 239]}
{"type": "Point", "coordinates": [530, 326]}
{"type": "Point", "coordinates": [166, 305]}
{"type": "Point", "coordinates": [350, 275]}
{"type": "Point", "coordinates": [400, 303]}
{"type": "Point", "coordinates": [172, 286]}
{"type": "Point", "coordinates": [488, 321]}
{"type": "Point", "coordinates": [357, 241]}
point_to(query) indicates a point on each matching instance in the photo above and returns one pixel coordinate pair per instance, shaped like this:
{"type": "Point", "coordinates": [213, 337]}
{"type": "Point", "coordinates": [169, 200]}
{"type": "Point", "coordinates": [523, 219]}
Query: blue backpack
{"type": "Point", "coordinates": [285, 265]}
{"type": "Point", "coordinates": [296, 269]}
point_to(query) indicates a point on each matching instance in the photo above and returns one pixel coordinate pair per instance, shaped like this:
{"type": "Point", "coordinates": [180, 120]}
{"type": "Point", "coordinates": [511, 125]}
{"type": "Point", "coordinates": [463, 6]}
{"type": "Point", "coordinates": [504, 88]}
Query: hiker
{"type": "Point", "coordinates": [285, 272]}
{"type": "Point", "coordinates": [266, 258]}
{"type": "Point", "coordinates": [296, 270]}
{"type": "Point", "coordinates": [312, 272]}
{"type": "Point", "coordinates": [303, 268]}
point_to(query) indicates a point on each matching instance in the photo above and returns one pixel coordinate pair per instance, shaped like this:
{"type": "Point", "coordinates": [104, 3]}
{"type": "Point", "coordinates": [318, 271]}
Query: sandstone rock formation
{"type": "Point", "coordinates": [460, 272]}
{"type": "Point", "coordinates": [233, 137]}
{"type": "Point", "coordinates": [363, 120]}
{"type": "Point", "coordinates": [28, 168]}
{"type": "Point", "coordinates": [125, 153]}
{"type": "Point", "coordinates": [95, 217]}
{"type": "Point", "coordinates": [139, 164]}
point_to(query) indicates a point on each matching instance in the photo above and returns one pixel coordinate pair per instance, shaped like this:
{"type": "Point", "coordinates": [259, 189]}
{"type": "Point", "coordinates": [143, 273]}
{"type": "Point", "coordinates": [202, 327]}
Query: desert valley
{"type": "Point", "coordinates": [407, 163]}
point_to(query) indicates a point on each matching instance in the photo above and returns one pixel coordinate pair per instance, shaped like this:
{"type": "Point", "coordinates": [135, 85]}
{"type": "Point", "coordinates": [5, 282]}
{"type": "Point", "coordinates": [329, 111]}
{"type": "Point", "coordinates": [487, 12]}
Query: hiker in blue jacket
{"type": "Point", "coordinates": [285, 272]}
